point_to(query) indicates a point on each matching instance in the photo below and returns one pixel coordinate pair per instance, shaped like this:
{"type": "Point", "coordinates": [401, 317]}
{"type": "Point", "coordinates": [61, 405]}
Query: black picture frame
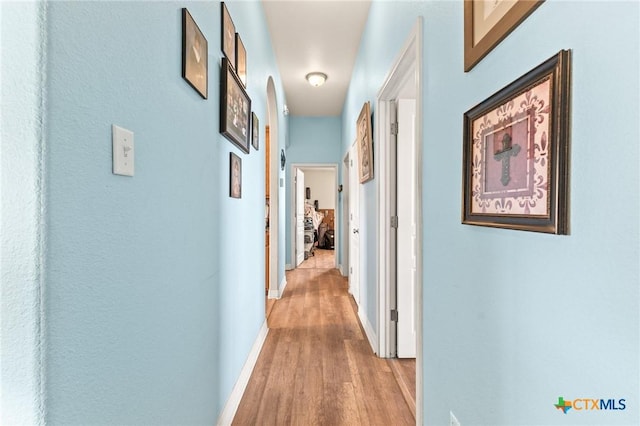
{"type": "Point", "coordinates": [241, 60]}
{"type": "Point", "coordinates": [235, 176]}
{"type": "Point", "coordinates": [516, 153]}
{"type": "Point", "coordinates": [195, 66]}
{"type": "Point", "coordinates": [228, 34]}
{"type": "Point", "coordinates": [255, 131]}
{"type": "Point", "coordinates": [235, 108]}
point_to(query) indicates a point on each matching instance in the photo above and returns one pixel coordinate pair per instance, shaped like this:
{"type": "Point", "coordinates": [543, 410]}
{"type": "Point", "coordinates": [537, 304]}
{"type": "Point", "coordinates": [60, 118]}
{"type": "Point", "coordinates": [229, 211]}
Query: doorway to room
{"type": "Point", "coordinates": [313, 212]}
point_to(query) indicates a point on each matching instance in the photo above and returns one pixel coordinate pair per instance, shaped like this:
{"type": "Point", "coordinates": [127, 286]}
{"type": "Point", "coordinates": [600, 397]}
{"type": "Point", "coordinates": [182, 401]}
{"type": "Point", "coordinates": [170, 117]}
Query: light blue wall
{"type": "Point", "coordinates": [151, 308]}
{"type": "Point", "coordinates": [513, 320]}
{"type": "Point", "coordinates": [313, 140]}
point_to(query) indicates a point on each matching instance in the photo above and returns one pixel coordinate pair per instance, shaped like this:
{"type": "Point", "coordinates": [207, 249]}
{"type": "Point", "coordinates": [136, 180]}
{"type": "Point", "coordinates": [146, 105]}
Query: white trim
{"type": "Point", "coordinates": [341, 270]}
{"type": "Point", "coordinates": [274, 175]}
{"type": "Point", "coordinates": [287, 267]}
{"type": "Point", "coordinates": [230, 408]}
{"type": "Point", "coordinates": [408, 61]}
{"type": "Point", "coordinates": [277, 293]}
{"type": "Point", "coordinates": [368, 330]}
{"type": "Point", "coordinates": [346, 193]}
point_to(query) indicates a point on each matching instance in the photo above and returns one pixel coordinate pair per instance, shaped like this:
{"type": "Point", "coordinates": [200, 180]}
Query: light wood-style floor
{"type": "Point", "coordinates": [316, 366]}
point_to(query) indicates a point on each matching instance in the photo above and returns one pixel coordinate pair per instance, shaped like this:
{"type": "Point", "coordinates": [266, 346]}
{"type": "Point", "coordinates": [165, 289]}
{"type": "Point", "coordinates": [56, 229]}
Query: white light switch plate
{"type": "Point", "coordinates": [123, 154]}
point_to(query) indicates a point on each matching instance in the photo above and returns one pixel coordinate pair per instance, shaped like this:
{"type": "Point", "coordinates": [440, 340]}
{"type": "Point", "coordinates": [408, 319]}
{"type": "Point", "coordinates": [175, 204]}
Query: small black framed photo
{"type": "Point", "coordinates": [241, 60]}
{"type": "Point", "coordinates": [255, 131]}
{"type": "Point", "coordinates": [235, 108]}
{"type": "Point", "coordinates": [228, 35]}
{"type": "Point", "coordinates": [235, 176]}
{"type": "Point", "coordinates": [194, 55]}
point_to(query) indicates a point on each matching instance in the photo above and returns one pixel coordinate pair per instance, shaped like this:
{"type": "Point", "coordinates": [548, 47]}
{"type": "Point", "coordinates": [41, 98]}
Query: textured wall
{"type": "Point", "coordinates": [323, 187]}
{"type": "Point", "coordinates": [21, 215]}
{"type": "Point", "coordinates": [513, 320]}
{"type": "Point", "coordinates": [155, 282]}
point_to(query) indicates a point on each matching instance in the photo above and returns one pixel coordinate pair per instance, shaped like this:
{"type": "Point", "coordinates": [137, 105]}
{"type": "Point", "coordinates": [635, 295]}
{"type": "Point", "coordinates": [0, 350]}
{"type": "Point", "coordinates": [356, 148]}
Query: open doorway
{"type": "Point", "coordinates": [314, 226]}
{"type": "Point", "coordinates": [399, 132]}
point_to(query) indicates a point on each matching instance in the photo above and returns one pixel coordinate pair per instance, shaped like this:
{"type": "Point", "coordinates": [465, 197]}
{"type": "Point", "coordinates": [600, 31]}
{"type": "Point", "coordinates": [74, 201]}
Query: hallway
{"type": "Point", "coordinates": [316, 366]}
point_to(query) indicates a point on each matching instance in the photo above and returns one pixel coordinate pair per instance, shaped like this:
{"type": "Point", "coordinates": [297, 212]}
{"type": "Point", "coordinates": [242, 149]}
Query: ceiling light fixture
{"type": "Point", "coordinates": [316, 78]}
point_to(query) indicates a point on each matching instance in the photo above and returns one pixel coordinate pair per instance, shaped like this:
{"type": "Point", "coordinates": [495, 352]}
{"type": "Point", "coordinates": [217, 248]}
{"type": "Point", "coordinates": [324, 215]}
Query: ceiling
{"type": "Point", "coordinates": [316, 35]}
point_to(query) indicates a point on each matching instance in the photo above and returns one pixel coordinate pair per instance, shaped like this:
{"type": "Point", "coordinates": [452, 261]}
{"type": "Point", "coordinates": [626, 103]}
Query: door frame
{"type": "Point", "coordinates": [346, 193]}
{"type": "Point", "coordinates": [292, 207]}
{"type": "Point", "coordinates": [407, 65]}
{"type": "Point", "coordinates": [354, 196]}
{"type": "Point", "coordinates": [274, 195]}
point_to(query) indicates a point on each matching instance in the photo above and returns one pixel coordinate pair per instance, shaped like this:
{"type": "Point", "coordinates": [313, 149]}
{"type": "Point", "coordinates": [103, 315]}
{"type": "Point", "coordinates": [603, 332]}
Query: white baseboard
{"type": "Point", "coordinates": [369, 330]}
{"type": "Point", "coordinates": [287, 267]}
{"type": "Point", "coordinates": [341, 271]}
{"type": "Point", "coordinates": [230, 408]}
{"type": "Point", "coordinates": [277, 294]}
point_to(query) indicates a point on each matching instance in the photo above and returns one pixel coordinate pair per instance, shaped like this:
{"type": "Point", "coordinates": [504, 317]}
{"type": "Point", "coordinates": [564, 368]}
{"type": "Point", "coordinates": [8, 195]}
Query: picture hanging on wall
{"type": "Point", "coordinates": [228, 35]}
{"type": "Point", "coordinates": [235, 108]}
{"type": "Point", "coordinates": [516, 153]}
{"type": "Point", "coordinates": [235, 176]}
{"type": "Point", "coordinates": [365, 144]}
{"type": "Point", "coordinates": [241, 60]}
{"type": "Point", "coordinates": [255, 131]}
{"type": "Point", "coordinates": [194, 55]}
{"type": "Point", "coordinates": [487, 23]}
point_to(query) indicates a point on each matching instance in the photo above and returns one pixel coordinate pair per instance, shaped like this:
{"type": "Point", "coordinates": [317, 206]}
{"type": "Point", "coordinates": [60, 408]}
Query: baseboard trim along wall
{"type": "Point", "coordinates": [277, 294]}
{"type": "Point", "coordinates": [369, 330]}
{"type": "Point", "coordinates": [230, 408]}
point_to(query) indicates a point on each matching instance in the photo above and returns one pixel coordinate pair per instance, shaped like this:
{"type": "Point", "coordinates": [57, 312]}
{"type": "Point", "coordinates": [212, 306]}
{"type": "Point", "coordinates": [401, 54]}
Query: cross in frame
{"type": "Point", "coordinates": [508, 150]}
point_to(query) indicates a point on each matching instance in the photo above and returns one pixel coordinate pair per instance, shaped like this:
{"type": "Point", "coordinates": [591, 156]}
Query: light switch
{"type": "Point", "coordinates": [122, 151]}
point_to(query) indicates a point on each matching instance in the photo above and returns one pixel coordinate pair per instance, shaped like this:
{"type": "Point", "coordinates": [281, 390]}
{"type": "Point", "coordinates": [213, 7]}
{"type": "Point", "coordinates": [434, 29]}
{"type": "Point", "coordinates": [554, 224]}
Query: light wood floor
{"type": "Point", "coordinates": [316, 366]}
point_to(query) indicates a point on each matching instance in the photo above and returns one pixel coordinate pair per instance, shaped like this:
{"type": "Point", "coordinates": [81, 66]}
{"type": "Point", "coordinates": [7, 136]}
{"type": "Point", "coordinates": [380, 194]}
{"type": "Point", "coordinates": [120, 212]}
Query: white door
{"type": "Point", "coordinates": [299, 217]}
{"type": "Point", "coordinates": [354, 224]}
{"type": "Point", "coordinates": [406, 261]}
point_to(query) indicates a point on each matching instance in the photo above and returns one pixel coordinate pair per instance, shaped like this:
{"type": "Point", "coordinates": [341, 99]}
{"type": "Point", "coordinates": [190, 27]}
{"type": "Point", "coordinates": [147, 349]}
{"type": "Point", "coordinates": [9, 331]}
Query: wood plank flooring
{"type": "Point", "coordinates": [316, 366]}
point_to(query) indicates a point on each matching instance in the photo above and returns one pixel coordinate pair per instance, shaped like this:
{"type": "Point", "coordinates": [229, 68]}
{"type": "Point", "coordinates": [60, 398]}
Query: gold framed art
{"type": "Point", "coordinates": [516, 153]}
{"type": "Point", "coordinates": [488, 22]}
{"type": "Point", "coordinates": [365, 144]}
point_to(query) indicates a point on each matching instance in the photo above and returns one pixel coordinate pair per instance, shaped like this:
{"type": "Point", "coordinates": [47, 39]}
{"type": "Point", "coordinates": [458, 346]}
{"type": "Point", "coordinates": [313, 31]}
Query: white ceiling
{"type": "Point", "coordinates": [316, 35]}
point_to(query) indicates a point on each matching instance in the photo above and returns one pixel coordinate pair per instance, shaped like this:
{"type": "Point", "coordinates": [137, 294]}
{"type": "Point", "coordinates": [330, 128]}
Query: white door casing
{"type": "Point", "coordinates": [299, 217]}
{"type": "Point", "coordinates": [354, 225]}
{"type": "Point", "coordinates": [406, 68]}
{"type": "Point", "coordinates": [406, 231]}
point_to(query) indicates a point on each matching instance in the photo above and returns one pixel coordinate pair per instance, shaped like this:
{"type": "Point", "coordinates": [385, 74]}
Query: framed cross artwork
{"type": "Point", "coordinates": [516, 153]}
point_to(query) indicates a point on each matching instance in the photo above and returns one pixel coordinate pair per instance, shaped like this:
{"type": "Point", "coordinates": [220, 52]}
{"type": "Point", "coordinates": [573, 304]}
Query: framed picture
{"type": "Point", "coordinates": [194, 55]}
{"type": "Point", "coordinates": [516, 153]}
{"type": "Point", "coordinates": [241, 60]}
{"type": "Point", "coordinates": [487, 23]}
{"type": "Point", "coordinates": [235, 107]}
{"type": "Point", "coordinates": [228, 35]}
{"type": "Point", "coordinates": [255, 131]}
{"type": "Point", "coordinates": [365, 144]}
{"type": "Point", "coordinates": [235, 176]}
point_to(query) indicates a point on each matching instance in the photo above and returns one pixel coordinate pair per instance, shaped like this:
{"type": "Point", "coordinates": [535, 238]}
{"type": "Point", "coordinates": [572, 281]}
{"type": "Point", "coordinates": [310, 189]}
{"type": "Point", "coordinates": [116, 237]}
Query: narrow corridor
{"type": "Point", "coordinates": [316, 366]}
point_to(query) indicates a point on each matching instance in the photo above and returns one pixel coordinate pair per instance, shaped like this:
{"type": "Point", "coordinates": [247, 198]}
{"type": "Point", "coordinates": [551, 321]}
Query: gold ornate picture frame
{"type": "Point", "coordinates": [365, 144]}
{"type": "Point", "coordinates": [516, 153]}
{"type": "Point", "coordinates": [488, 22]}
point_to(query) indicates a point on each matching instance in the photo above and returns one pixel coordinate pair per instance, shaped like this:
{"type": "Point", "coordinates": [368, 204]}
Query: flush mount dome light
{"type": "Point", "coordinates": [316, 78]}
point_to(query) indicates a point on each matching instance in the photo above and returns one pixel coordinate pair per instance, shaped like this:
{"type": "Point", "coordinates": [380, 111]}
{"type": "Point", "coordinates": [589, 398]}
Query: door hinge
{"type": "Point", "coordinates": [394, 222]}
{"type": "Point", "coordinates": [394, 315]}
{"type": "Point", "coordinates": [394, 129]}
